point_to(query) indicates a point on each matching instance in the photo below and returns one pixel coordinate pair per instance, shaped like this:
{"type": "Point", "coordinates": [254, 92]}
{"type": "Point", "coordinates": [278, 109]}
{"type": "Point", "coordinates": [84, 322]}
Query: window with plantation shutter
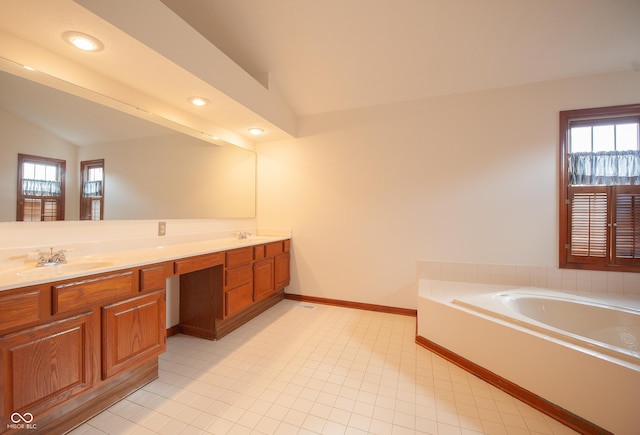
{"type": "Point", "coordinates": [41, 188]}
{"type": "Point", "coordinates": [92, 190]}
{"type": "Point", "coordinates": [600, 188]}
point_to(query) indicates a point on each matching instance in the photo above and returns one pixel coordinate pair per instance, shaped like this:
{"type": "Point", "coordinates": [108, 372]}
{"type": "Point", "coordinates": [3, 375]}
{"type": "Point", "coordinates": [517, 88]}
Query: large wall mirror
{"type": "Point", "coordinates": [151, 171]}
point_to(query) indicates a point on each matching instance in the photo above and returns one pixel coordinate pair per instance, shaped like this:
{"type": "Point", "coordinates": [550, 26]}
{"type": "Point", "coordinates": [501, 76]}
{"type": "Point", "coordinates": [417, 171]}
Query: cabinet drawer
{"type": "Point", "coordinates": [198, 263]}
{"type": "Point", "coordinates": [238, 276]}
{"type": "Point", "coordinates": [274, 249]}
{"type": "Point", "coordinates": [239, 256]}
{"type": "Point", "coordinates": [80, 294]}
{"type": "Point", "coordinates": [258, 252]}
{"type": "Point", "coordinates": [238, 299]}
{"type": "Point", "coordinates": [152, 278]}
{"type": "Point", "coordinates": [18, 309]}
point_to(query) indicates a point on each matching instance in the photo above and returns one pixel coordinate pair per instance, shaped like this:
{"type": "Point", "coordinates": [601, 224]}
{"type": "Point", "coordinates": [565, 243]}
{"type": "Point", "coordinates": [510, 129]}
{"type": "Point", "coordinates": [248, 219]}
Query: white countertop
{"type": "Point", "coordinates": [22, 274]}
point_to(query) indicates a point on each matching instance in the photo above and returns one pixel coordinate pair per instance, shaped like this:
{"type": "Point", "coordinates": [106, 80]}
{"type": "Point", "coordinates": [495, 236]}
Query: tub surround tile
{"type": "Point", "coordinates": [582, 282]}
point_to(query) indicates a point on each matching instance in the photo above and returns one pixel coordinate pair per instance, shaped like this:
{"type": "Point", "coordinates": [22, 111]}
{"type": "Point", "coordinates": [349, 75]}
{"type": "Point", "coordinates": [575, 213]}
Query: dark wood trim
{"type": "Point", "coordinates": [62, 166]}
{"type": "Point", "coordinates": [565, 417]}
{"type": "Point", "coordinates": [566, 117]}
{"type": "Point", "coordinates": [75, 412]}
{"type": "Point", "coordinates": [173, 330]}
{"type": "Point", "coordinates": [356, 305]}
{"type": "Point", "coordinates": [563, 195]}
{"type": "Point", "coordinates": [223, 327]}
{"type": "Point", "coordinates": [195, 331]}
{"type": "Point", "coordinates": [85, 203]}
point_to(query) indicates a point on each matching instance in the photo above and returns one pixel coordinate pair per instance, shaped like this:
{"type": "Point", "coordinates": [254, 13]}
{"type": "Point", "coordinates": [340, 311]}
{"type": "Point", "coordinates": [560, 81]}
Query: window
{"type": "Point", "coordinates": [92, 192]}
{"type": "Point", "coordinates": [41, 185]}
{"type": "Point", "coordinates": [600, 188]}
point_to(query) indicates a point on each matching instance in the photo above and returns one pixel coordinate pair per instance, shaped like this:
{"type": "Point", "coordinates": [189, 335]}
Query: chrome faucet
{"type": "Point", "coordinates": [51, 258]}
{"type": "Point", "coordinates": [243, 235]}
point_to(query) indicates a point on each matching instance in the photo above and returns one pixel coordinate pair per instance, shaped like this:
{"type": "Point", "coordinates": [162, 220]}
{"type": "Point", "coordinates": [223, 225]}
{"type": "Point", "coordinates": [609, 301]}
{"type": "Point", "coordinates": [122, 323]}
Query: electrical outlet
{"type": "Point", "coordinates": [162, 228]}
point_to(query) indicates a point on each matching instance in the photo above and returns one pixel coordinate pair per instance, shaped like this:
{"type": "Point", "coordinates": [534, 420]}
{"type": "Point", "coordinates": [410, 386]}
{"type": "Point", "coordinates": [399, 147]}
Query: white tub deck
{"type": "Point", "coordinates": [596, 387]}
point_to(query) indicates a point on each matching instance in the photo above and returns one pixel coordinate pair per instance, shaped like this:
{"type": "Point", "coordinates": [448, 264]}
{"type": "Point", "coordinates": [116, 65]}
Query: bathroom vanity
{"type": "Point", "coordinates": [70, 346]}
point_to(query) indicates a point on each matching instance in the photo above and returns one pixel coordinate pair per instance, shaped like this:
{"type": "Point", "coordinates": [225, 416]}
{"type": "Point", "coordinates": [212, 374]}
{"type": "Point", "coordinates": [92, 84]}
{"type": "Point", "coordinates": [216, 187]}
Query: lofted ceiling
{"type": "Point", "coordinates": [270, 63]}
{"type": "Point", "coordinates": [333, 55]}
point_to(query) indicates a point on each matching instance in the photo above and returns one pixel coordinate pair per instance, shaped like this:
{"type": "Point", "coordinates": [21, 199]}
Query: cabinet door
{"type": "Point", "coordinates": [46, 365]}
{"type": "Point", "coordinates": [133, 331]}
{"type": "Point", "coordinates": [282, 273]}
{"type": "Point", "coordinates": [263, 278]}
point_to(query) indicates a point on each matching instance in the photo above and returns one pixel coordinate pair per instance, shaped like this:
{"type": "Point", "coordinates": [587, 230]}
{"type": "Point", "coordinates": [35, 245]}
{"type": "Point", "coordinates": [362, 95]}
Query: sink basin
{"type": "Point", "coordinates": [73, 266]}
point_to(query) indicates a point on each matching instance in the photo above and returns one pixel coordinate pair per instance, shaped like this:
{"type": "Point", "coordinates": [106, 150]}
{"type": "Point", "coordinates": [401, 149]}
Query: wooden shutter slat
{"type": "Point", "coordinates": [627, 225]}
{"type": "Point", "coordinates": [588, 224]}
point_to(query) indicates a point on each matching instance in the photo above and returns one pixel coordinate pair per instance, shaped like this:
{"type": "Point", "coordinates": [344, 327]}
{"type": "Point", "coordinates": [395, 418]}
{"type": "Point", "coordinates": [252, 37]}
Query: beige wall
{"type": "Point", "coordinates": [175, 177]}
{"type": "Point", "coordinates": [20, 136]}
{"type": "Point", "coordinates": [465, 178]}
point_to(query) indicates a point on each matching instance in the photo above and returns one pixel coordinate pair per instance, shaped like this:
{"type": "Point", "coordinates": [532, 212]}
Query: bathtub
{"type": "Point", "coordinates": [605, 328]}
{"type": "Point", "coordinates": [580, 354]}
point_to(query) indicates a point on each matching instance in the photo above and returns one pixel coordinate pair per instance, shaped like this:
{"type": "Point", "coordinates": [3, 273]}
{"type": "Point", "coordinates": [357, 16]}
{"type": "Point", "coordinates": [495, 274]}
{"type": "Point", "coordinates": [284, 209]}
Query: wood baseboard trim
{"type": "Point", "coordinates": [349, 304]}
{"type": "Point", "coordinates": [195, 331]}
{"type": "Point", "coordinates": [565, 417]}
{"type": "Point", "coordinates": [173, 330]}
{"type": "Point", "coordinates": [75, 412]}
{"type": "Point", "coordinates": [224, 327]}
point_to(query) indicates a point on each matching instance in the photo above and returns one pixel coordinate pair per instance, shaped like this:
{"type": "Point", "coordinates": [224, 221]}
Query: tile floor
{"type": "Point", "coordinates": [308, 368]}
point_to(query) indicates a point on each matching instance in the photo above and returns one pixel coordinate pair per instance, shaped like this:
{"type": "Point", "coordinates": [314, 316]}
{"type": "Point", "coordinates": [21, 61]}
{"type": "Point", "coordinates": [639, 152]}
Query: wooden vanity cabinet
{"type": "Point", "coordinates": [70, 348]}
{"type": "Point", "coordinates": [216, 299]}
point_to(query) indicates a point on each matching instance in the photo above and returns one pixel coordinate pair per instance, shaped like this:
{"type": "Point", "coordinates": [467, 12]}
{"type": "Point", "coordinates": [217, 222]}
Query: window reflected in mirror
{"type": "Point", "coordinates": [41, 188]}
{"type": "Point", "coordinates": [92, 192]}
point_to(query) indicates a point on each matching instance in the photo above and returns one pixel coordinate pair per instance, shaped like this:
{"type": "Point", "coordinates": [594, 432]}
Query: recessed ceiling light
{"type": "Point", "coordinates": [83, 41]}
{"type": "Point", "coordinates": [199, 101]}
{"type": "Point", "coordinates": [255, 131]}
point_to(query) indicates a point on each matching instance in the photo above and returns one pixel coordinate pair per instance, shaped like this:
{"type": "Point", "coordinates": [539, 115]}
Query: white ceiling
{"type": "Point", "coordinates": [341, 54]}
{"type": "Point", "coordinates": [319, 56]}
{"type": "Point", "coordinates": [74, 119]}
